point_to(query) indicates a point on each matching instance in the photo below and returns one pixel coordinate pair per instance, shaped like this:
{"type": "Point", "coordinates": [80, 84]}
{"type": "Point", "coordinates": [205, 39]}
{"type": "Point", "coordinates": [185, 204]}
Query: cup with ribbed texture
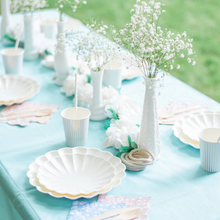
{"type": "Point", "coordinates": [13, 60]}
{"type": "Point", "coordinates": [76, 127]}
{"type": "Point", "coordinates": [113, 74]}
{"type": "Point", "coordinates": [209, 141]}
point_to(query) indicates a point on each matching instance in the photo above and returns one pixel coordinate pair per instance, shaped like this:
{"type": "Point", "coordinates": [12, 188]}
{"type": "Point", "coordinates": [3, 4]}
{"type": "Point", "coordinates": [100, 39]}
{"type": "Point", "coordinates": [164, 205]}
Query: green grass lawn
{"type": "Point", "coordinates": [200, 18]}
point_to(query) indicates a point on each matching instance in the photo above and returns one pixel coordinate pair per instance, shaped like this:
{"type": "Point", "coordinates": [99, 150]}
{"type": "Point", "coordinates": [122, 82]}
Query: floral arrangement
{"type": "Point", "coordinates": [73, 4]}
{"type": "Point", "coordinates": [25, 6]}
{"type": "Point", "coordinates": [154, 49]}
{"type": "Point", "coordinates": [94, 49]}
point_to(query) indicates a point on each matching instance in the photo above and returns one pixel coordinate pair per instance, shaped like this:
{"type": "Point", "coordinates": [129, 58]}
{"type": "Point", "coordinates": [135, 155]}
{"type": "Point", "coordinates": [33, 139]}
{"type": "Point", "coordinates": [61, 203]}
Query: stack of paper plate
{"type": "Point", "coordinates": [188, 127]}
{"type": "Point", "coordinates": [76, 172]}
{"type": "Point", "coordinates": [16, 89]}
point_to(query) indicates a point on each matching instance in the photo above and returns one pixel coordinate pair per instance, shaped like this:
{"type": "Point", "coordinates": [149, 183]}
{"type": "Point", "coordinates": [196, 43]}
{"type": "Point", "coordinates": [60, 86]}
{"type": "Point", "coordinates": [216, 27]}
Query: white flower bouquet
{"type": "Point", "coordinates": [73, 4]}
{"type": "Point", "coordinates": [93, 48]}
{"type": "Point", "coordinates": [154, 49]}
{"type": "Point", "coordinates": [25, 6]}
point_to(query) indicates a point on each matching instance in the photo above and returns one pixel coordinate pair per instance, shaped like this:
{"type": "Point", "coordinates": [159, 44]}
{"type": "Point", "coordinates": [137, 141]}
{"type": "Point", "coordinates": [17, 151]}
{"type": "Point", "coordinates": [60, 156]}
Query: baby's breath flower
{"type": "Point", "coordinates": [154, 48]}
{"type": "Point", "coordinates": [26, 5]}
{"type": "Point", "coordinates": [93, 48]}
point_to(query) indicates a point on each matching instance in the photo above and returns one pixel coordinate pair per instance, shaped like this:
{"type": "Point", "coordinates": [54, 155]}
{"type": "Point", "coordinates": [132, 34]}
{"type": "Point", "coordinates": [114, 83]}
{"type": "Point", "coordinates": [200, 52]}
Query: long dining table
{"type": "Point", "coordinates": [179, 187]}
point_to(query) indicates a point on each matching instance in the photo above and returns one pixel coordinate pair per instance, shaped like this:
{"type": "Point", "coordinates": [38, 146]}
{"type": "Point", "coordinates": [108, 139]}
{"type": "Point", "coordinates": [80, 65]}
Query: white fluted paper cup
{"type": "Point", "coordinates": [13, 60]}
{"type": "Point", "coordinates": [113, 74]}
{"type": "Point", "coordinates": [49, 28]}
{"type": "Point", "coordinates": [210, 149]}
{"type": "Point", "coordinates": [76, 128]}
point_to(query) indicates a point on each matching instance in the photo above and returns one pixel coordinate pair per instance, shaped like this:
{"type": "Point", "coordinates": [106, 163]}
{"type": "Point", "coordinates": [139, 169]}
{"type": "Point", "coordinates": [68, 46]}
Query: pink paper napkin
{"type": "Point", "coordinates": [142, 202]}
{"type": "Point", "coordinates": [25, 106]}
{"type": "Point", "coordinates": [175, 106]}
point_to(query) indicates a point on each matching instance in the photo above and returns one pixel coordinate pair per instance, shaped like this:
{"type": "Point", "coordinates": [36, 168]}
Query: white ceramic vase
{"type": "Point", "coordinates": [149, 138]}
{"type": "Point", "coordinates": [6, 17]}
{"type": "Point", "coordinates": [61, 61]}
{"type": "Point", "coordinates": [96, 107]}
{"type": "Point", "coordinates": [30, 51]}
{"type": "Point", "coordinates": [61, 27]}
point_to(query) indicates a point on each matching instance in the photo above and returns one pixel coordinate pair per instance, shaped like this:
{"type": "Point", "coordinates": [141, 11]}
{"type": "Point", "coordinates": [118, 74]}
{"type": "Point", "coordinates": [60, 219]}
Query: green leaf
{"type": "Point", "coordinates": [73, 68]}
{"type": "Point", "coordinates": [134, 145]}
{"type": "Point", "coordinates": [6, 36]}
{"type": "Point", "coordinates": [47, 52]}
{"type": "Point", "coordinates": [129, 141]}
{"type": "Point", "coordinates": [106, 126]}
{"type": "Point", "coordinates": [88, 78]}
{"type": "Point", "coordinates": [119, 154]}
{"type": "Point", "coordinates": [138, 125]}
{"type": "Point", "coordinates": [119, 91]}
{"type": "Point", "coordinates": [114, 114]}
{"type": "Point", "coordinates": [125, 149]}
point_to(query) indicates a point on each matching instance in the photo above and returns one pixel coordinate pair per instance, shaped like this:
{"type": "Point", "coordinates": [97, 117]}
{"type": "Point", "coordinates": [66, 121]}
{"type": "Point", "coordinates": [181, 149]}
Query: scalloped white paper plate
{"type": "Point", "coordinates": [35, 88]}
{"type": "Point", "coordinates": [199, 121]}
{"type": "Point", "coordinates": [116, 162]}
{"type": "Point", "coordinates": [76, 174]}
{"type": "Point", "coordinates": [14, 87]}
{"type": "Point", "coordinates": [178, 132]}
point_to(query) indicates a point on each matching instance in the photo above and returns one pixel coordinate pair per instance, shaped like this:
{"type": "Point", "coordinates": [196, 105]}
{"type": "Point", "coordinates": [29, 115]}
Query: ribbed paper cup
{"type": "Point", "coordinates": [13, 60]}
{"type": "Point", "coordinates": [210, 149]}
{"type": "Point", "coordinates": [113, 77]}
{"type": "Point", "coordinates": [76, 128]}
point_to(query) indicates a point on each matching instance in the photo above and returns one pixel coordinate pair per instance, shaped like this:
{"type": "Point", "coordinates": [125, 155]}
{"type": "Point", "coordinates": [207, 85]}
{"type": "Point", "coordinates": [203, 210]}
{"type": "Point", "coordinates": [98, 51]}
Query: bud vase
{"type": "Point", "coordinates": [61, 27]}
{"type": "Point", "coordinates": [61, 61]}
{"type": "Point", "coordinates": [6, 17]}
{"type": "Point", "coordinates": [96, 107]}
{"type": "Point", "coordinates": [30, 51]}
{"type": "Point", "coordinates": [149, 138]}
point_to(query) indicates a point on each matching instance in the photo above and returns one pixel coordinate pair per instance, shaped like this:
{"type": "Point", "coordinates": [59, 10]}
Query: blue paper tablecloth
{"type": "Point", "coordinates": [179, 188]}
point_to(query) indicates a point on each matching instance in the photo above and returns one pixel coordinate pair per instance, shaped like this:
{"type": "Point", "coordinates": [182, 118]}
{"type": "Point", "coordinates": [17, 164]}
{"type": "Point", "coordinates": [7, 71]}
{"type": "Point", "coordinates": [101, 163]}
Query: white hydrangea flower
{"type": "Point", "coordinates": [69, 84]}
{"type": "Point", "coordinates": [110, 94]}
{"type": "Point", "coordinates": [117, 133]}
{"type": "Point", "coordinates": [122, 140]}
{"type": "Point", "coordinates": [85, 93]}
